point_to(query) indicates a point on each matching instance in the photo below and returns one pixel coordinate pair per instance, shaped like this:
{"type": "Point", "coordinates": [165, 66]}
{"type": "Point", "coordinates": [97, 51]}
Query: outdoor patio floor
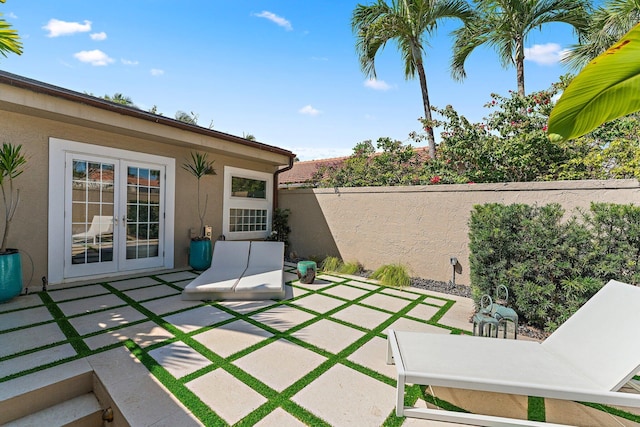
{"type": "Point", "coordinates": [317, 358]}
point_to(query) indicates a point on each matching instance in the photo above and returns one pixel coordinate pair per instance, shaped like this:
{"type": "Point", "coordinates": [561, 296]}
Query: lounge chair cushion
{"type": "Point", "coordinates": [241, 270]}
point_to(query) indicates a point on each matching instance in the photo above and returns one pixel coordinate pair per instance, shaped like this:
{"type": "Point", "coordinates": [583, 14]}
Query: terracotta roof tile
{"type": "Point", "coordinates": [302, 172]}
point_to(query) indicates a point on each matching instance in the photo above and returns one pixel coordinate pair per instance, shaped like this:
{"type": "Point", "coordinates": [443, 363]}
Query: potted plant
{"type": "Point", "coordinates": [12, 163]}
{"type": "Point", "coordinates": [200, 249]}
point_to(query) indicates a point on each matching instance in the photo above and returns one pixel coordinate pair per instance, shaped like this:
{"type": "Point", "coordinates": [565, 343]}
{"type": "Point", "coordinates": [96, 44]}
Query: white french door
{"type": "Point", "coordinates": [115, 215]}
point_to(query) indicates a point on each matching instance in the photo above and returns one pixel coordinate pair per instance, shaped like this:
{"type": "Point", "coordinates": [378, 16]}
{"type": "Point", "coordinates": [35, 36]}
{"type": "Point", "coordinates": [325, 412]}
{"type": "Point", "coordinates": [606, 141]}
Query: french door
{"type": "Point", "coordinates": [114, 215]}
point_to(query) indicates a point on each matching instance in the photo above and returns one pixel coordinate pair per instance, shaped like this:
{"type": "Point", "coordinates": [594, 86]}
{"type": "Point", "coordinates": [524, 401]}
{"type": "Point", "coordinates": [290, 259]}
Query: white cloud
{"type": "Point", "coordinates": [377, 84]}
{"type": "Point", "coordinates": [12, 15]}
{"type": "Point", "coordinates": [311, 153]}
{"type": "Point", "coordinates": [156, 72]}
{"type": "Point", "coordinates": [128, 61]}
{"type": "Point", "coordinates": [94, 57]}
{"type": "Point", "coordinates": [58, 28]}
{"type": "Point", "coordinates": [98, 36]}
{"type": "Point", "coordinates": [308, 110]}
{"type": "Point", "coordinates": [279, 20]}
{"type": "Point", "coordinates": [544, 54]}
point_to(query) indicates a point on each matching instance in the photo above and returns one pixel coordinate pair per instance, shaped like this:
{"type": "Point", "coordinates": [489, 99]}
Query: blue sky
{"type": "Point", "coordinates": [284, 71]}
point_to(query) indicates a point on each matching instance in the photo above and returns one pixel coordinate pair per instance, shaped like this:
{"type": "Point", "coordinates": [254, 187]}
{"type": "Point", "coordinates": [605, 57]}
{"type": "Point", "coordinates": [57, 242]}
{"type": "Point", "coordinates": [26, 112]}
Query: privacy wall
{"type": "Point", "coordinates": [422, 227]}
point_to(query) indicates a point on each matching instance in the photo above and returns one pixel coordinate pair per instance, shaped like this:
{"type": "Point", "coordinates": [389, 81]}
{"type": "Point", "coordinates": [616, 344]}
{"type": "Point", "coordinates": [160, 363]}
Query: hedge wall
{"type": "Point", "coordinates": [552, 264]}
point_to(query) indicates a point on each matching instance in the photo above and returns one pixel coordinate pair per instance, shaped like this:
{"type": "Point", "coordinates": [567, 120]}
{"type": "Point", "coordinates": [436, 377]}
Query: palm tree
{"type": "Point", "coordinates": [121, 99]}
{"type": "Point", "coordinates": [407, 22]}
{"type": "Point", "coordinates": [607, 25]}
{"type": "Point", "coordinates": [9, 39]}
{"type": "Point", "coordinates": [505, 26]}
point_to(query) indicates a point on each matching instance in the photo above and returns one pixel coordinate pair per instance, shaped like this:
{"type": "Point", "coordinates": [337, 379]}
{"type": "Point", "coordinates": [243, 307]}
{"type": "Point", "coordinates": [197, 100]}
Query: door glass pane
{"type": "Point", "coordinates": [92, 211]}
{"type": "Point", "coordinates": [143, 213]}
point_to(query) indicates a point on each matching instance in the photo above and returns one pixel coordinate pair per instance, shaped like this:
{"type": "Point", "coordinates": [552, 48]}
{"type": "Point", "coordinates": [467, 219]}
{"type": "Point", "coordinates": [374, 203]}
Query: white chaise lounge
{"type": "Point", "coordinates": [588, 358]}
{"type": "Point", "coordinates": [241, 271]}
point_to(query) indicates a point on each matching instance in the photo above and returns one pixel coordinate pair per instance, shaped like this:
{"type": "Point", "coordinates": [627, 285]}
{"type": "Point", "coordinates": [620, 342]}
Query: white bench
{"type": "Point", "coordinates": [241, 271]}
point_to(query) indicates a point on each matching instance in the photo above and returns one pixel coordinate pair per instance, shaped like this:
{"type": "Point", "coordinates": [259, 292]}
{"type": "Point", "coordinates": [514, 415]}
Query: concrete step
{"type": "Point", "coordinates": [81, 411]}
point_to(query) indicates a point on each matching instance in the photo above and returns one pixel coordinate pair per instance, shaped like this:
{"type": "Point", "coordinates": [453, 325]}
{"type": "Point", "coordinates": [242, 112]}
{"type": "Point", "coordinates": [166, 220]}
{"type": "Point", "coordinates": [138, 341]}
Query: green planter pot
{"type": "Point", "coordinates": [200, 253]}
{"type": "Point", "coordinates": [10, 275]}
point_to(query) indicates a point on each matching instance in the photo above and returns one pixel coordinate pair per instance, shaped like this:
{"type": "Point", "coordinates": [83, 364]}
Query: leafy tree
{"type": "Point", "coordinates": [611, 151]}
{"type": "Point", "coordinates": [396, 164]}
{"type": "Point", "coordinates": [184, 117]}
{"type": "Point", "coordinates": [408, 22]}
{"type": "Point", "coordinates": [505, 26]}
{"type": "Point", "coordinates": [510, 145]}
{"type": "Point", "coordinates": [9, 38]}
{"type": "Point", "coordinates": [607, 25]}
{"type": "Point", "coordinates": [121, 99]}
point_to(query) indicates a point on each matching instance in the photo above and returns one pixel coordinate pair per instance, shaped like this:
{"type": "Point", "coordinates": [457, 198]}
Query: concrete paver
{"type": "Point", "coordinates": [344, 397]}
{"type": "Point", "coordinates": [237, 400]}
{"type": "Point", "coordinates": [232, 337]}
{"type": "Point", "coordinates": [280, 363]}
{"type": "Point", "coordinates": [179, 359]}
{"type": "Point", "coordinates": [199, 317]}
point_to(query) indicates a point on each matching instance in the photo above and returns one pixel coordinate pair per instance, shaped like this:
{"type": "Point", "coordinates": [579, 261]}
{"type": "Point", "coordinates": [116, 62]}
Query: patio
{"type": "Point", "coordinates": [317, 358]}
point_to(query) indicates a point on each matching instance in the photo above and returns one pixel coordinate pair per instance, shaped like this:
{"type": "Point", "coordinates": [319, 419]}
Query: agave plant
{"type": "Point", "coordinates": [12, 163]}
{"type": "Point", "coordinates": [200, 166]}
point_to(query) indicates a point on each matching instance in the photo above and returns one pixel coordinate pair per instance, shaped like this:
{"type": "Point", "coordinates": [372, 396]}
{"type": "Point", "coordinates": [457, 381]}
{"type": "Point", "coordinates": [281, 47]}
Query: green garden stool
{"type": "Point", "coordinates": [307, 271]}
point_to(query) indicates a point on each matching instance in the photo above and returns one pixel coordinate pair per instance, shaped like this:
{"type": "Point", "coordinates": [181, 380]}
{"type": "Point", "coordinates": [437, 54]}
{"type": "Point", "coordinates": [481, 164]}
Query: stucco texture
{"type": "Point", "coordinates": [422, 226]}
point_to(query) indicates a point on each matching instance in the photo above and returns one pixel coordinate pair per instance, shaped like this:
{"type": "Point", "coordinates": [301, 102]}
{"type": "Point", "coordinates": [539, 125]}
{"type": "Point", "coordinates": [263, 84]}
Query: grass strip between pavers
{"type": "Point", "coordinates": [274, 398]}
{"type": "Point", "coordinates": [536, 410]}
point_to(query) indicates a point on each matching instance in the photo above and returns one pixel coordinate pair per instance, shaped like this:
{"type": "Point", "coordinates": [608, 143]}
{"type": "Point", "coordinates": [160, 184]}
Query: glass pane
{"type": "Point", "coordinates": [246, 187]}
{"type": "Point", "coordinates": [143, 212]}
{"type": "Point", "coordinates": [132, 176]}
{"type": "Point", "coordinates": [154, 196]}
{"type": "Point", "coordinates": [154, 178]}
{"type": "Point", "coordinates": [247, 220]}
{"type": "Point", "coordinates": [92, 210]}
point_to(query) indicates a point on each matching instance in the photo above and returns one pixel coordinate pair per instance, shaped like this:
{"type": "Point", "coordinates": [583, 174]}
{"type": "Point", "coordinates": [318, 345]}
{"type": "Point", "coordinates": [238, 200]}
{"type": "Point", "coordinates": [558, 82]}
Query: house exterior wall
{"type": "Point", "coordinates": [422, 226]}
{"type": "Point", "coordinates": [29, 229]}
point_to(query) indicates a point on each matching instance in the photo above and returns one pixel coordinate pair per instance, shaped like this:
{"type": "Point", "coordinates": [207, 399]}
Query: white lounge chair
{"type": "Point", "coordinates": [228, 262]}
{"type": "Point", "coordinates": [101, 225]}
{"type": "Point", "coordinates": [588, 358]}
{"type": "Point", "coordinates": [241, 270]}
{"type": "Point", "coordinates": [264, 276]}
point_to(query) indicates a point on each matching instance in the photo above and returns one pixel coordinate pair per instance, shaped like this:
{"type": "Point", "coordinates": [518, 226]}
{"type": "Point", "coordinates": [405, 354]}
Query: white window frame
{"type": "Point", "coordinates": [58, 149]}
{"type": "Point", "coordinates": [232, 202]}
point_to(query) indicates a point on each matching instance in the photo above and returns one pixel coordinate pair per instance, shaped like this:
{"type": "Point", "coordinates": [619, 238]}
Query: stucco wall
{"type": "Point", "coordinates": [421, 226]}
{"type": "Point", "coordinates": [29, 229]}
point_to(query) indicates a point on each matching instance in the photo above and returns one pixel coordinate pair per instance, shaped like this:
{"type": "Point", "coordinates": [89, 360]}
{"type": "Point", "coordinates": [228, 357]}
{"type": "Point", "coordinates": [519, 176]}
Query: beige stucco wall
{"type": "Point", "coordinates": [421, 226]}
{"type": "Point", "coordinates": [29, 229]}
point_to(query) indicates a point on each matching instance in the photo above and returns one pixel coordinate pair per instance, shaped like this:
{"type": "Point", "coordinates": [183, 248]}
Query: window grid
{"type": "Point", "coordinates": [247, 220]}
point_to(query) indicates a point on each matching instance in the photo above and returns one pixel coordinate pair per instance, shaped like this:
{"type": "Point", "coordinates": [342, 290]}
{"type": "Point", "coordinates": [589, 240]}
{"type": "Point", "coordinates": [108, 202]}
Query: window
{"type": "Point", "coordinates": [247, 204]}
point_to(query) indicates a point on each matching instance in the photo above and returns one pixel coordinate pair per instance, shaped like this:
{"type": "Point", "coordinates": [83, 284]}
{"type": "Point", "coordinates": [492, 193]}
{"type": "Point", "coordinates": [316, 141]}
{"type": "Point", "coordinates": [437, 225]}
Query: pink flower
{"type": "Point", "coordinates": [544, 128]}
{"type": "Point", "coordinates": [436, 179]}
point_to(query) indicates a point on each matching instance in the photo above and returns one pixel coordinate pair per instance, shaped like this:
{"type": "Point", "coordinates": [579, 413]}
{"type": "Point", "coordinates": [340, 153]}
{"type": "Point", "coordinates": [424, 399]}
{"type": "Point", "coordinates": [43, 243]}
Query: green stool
{"type": "Point", "coordinates": [307, 271]}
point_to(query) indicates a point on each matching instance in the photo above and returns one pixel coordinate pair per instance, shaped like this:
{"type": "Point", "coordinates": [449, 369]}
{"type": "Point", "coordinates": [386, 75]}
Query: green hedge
{"type": "Point", "coordinates": [552, 264]}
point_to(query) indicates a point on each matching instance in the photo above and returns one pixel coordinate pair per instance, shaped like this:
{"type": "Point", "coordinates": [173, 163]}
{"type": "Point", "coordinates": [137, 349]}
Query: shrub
{"type": "Point", "coordinates": [395, 275]}
{"type": "Point", "coordinates": [351, 268]}
{"type": "Point", "coordinates": [331, 263]}
{"type": "Point", "coordinates": [545, 259]}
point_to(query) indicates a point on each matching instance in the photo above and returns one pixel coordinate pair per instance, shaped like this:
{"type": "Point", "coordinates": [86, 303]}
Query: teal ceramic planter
{"type": "Point", "coordinates": [200, 253]}
{"type": "Point", "coordinates": [307, 271]}
{"type": "Point", "coordinates": [10, 275]}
